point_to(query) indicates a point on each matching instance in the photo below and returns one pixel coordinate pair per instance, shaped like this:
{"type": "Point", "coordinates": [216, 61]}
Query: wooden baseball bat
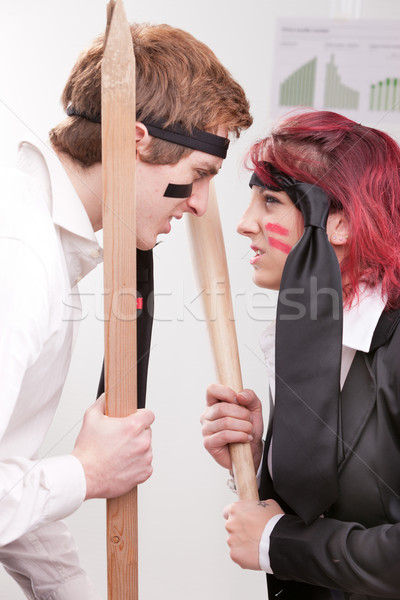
{"type": "Point", "coordinates": [210, 262]}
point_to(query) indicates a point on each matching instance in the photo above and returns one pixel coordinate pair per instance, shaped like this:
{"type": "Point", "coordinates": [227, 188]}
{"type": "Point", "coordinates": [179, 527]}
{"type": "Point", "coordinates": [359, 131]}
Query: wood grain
{"type": "Point", "coordinates": [119, 227]}
{"type": "Point", "coordinates": [208, 250]}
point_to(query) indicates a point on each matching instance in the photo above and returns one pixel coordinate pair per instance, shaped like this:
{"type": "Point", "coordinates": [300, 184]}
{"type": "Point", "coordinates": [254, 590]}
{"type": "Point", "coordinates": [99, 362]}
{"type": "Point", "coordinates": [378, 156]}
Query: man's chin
{"type": "Point", "coordinates": [145, 245]}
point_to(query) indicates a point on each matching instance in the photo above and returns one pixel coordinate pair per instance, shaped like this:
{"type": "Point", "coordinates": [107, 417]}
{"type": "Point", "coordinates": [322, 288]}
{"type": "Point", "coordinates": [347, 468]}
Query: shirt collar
{"type": "Point", "coordinates": [67, 209]}
{"type": "Point", "coordinates": [361, 319]}
{"type": "Point", "coordinates": [68, 212]}
{"type": "Point", "coordinates": [359, 323]}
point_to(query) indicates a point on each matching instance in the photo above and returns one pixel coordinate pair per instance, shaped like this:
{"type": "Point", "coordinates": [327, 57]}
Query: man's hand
{"type": "Point", "coordinates": [245, 523]}
{"type": "Point", "coordinates": [229, 418]}
{"type": "Point", "coordinates": [115, 452]}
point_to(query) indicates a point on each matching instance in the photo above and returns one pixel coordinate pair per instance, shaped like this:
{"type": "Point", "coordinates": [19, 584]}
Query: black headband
{"type": "Point", "coordinates": [175, 133]}
{"type": "Point", "coordinates": [196, 140]}
{"type": "Point", "coordinates": [72, 112]}
{"type": "Point", "coordinates": [307, 357]}
{"type": "Point", "coordinates": [284, 181]}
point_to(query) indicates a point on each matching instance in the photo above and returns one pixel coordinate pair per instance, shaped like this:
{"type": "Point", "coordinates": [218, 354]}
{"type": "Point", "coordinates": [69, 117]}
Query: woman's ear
{"type": "Point", "coordinates": [338, 229]}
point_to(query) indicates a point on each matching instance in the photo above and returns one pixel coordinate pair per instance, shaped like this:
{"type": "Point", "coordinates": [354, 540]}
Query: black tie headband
{"type": "Point", "coordinates": [308, 357]}
{"type": "Point", "coordinates": [175, 133]}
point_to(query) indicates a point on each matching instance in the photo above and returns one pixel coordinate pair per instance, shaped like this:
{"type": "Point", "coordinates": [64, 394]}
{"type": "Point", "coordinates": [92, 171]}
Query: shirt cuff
{"type": "Point", "coordinates": [64, 478]}
{"type": "Point", "coordinates": [263, 551]}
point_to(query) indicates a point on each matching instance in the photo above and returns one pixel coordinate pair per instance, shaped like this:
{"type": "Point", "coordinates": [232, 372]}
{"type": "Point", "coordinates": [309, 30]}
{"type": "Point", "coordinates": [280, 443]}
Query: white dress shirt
{"type": "Point", "coordinates": [359, 323]}
{"type": "Point", "coordinates": [47, 244]}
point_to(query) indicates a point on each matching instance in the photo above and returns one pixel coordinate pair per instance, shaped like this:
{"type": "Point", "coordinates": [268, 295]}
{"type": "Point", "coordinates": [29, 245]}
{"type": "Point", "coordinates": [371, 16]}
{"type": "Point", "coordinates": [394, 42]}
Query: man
{"type": "Point", "coordinates": [187, 104]}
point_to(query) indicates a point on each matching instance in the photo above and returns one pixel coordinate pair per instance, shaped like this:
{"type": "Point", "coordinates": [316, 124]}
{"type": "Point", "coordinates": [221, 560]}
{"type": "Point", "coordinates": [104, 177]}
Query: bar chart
{"type": "Point", "coordinates": [299, 88]}
{"type": "Point", "coordinates": [351, 67]}
{"type": "Point", "coordinates": [385, 95]}
{"type": "Point", "coordinates": [336, 94]}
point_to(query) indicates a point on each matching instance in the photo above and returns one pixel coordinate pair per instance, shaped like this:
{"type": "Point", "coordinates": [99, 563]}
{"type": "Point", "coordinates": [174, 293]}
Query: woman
{"type": "Point", "coordinates": [324, 222]}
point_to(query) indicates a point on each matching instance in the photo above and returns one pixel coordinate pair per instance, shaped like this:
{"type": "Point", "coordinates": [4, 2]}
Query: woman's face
{"type": "Point", "coordinates": [274, 225]}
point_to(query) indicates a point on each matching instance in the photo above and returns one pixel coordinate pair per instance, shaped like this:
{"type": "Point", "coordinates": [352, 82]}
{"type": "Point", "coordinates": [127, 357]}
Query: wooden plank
{"type": "Point", "coordinates": [119, 227]}
{"type": "Point", "coordinates": [212, 268]}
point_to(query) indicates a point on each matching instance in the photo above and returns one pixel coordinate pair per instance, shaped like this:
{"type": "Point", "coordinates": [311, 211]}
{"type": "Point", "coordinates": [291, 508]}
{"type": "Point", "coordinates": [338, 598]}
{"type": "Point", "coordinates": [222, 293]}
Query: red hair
{"type": "Point", "coordinates": [359, 169]}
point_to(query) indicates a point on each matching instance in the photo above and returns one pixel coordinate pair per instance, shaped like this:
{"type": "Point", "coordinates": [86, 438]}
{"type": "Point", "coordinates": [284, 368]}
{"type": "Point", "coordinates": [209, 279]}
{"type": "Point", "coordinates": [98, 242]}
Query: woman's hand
{"type": "Point", "coordinates": [231, 417]}
{"type": "Point", "coordinates": [245, 523]}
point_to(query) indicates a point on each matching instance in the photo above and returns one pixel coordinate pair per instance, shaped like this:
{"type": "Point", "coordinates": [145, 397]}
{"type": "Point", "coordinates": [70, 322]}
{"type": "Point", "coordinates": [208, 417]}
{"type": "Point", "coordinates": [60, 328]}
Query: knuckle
{"type": "Point", "coordinates": [224, 437]}
{"type": "Point", "coordinates": [205, 430]}
{"type": "Point", "coordinates": [233, 509]}
{"type": "Point", "coordinates": [210, 445]}
{"type": "Point", "coordinates": [148, 472]}
{"type": "Point", "coordinates": [142, 446]}
{"type": "Point", "coordinates": [87, 413]}
{"type": "Point", "coordinates": [228, 422]}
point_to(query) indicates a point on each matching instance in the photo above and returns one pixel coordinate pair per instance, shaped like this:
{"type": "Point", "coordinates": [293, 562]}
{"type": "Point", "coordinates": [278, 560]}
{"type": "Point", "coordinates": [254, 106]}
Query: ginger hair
{"type": "Point", "coordinates": [178, 79]}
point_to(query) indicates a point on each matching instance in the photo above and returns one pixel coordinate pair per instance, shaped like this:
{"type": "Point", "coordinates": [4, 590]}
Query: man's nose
{"type": "Point", "coordinates": [199, 199]}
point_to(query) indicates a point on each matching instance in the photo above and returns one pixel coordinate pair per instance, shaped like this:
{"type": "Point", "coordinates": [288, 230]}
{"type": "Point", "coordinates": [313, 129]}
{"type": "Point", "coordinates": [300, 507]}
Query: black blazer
{"type": "Point", "coordinates": [145, 289]}
{"type": "Point", "coordinates": [355, 549]}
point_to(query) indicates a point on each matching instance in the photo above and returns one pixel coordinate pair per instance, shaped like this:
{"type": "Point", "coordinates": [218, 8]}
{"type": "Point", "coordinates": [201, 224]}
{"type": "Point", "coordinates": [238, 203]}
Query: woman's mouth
{"type": "Point", "coordinates": [258, 253]}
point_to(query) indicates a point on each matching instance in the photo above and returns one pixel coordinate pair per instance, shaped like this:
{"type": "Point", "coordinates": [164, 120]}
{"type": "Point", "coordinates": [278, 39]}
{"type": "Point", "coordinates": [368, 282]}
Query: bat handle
{"type": "Point", "coordinates": [243, 471]}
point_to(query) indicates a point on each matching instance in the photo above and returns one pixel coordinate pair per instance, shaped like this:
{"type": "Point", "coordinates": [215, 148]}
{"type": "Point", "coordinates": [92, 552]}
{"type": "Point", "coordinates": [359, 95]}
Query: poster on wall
{"type": "Point", "coordinates": [351, 67]}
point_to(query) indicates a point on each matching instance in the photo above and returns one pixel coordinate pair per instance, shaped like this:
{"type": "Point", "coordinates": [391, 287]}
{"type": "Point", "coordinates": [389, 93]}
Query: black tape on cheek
{"type": "Point", "coordinates": [175, 190]}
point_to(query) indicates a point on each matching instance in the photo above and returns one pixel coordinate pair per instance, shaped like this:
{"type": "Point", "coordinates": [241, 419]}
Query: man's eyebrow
{"type": "Point", "coordinates": [211, 169]}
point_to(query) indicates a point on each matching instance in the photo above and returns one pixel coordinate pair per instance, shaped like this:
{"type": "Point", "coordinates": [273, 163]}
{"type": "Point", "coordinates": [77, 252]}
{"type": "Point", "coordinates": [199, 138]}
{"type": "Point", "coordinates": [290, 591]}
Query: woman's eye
{"type": "Point", "coordinates": [270, 199]}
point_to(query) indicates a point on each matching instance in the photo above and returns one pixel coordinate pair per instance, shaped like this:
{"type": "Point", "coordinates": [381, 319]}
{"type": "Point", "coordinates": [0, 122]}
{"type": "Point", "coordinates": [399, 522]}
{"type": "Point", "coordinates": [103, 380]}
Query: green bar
{"type": "Point", "coordinates": [328, 85]}
{"type": "Point", "coordinates": [307, 101]}
{"type": "Point", "coordinates": [331, 98]}
{"type": "Point", "coordinates": [290, 91]}
{"type": "Point", "coordinates": [301, 91]}
{"type": "Point", "coordinates": [287, 91]}
{"type": "Point", "coordinates": [336, 87]}
{"type": "Point", "coordinates": [287, 85]}
{"type": "Point", "coordinates": [379, 94]}
{"type": "Point", "coordinates": [307, 96]}
{"type": "Point", "coordinates": [286, 88]}
{"type": "Point", "coordinates": [296, 87]}
{"type": "Point", "coordinates": [387, 93]}
{"type": "Point", "coordinates": [313, 80]}
{"type": "Point", "coordinates": [371, 97]}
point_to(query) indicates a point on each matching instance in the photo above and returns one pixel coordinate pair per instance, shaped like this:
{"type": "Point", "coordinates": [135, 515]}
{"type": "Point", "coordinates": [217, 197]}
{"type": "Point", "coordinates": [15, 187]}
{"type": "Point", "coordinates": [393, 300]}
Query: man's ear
{"type": "Point", "coordinates": [143, 138]}
{"type": "Point", "coordinates": [338, 229]}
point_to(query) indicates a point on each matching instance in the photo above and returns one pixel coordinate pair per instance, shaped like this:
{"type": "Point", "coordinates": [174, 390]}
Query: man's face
{"type": "Point", "coordinates": [154, 211]}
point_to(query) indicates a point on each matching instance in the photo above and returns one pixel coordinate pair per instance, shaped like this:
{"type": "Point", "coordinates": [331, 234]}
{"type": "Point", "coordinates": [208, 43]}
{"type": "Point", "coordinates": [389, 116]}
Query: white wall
{"type": "Point", "coordinates": [182, 540]}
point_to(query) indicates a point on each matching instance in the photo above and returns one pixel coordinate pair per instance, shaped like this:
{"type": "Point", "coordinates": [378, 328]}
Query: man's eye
{"type": "Point", "coordinates": [202, 174]}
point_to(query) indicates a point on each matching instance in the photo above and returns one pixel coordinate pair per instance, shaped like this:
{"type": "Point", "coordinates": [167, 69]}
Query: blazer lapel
{"type": "Point", "coordinates": [357, 402]}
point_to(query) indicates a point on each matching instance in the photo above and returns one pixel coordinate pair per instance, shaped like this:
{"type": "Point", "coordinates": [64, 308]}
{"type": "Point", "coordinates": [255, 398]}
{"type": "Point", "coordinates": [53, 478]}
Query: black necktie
{"type": "Point", "coordinates": [307, 362]}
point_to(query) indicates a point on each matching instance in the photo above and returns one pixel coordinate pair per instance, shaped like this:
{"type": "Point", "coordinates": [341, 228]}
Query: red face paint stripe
{"type": "Point", "coordinates": [275, 228]}
{"type": "Point", "coordinates": [279, 245]}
